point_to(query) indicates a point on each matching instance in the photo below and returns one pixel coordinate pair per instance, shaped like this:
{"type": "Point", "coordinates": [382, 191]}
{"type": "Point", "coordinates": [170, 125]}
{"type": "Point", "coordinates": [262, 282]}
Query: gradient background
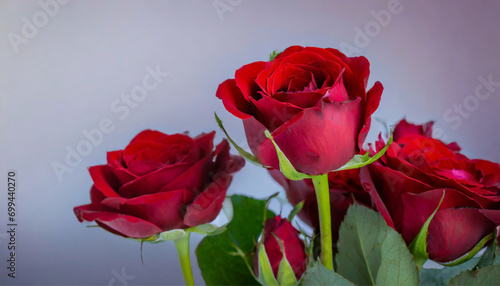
{"type": "Point", "coordinates": [63, 80]}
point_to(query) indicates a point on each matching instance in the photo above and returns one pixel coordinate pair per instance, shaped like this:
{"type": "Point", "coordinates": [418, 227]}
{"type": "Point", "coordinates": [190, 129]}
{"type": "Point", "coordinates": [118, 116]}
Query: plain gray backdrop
{"type": "Point", "coordinates": [65, 67]}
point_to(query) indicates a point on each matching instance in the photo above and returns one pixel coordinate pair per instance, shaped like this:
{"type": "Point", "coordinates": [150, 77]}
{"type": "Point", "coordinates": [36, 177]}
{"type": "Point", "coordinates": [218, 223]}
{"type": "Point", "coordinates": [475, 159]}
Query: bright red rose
{"type": "Point", "coordinates": [160, 182]}
{"type": "Point", "coordinates": [345, 187]}
{"type": "Point", "coordinates": [407, 184]}
{"type": "Point", "coordinates": [312, 100]}
{"type": "Point", "coordinates": [282, 229]}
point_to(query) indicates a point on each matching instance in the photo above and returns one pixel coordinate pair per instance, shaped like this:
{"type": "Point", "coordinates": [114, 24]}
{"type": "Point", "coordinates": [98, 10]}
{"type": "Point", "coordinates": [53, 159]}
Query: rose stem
{"type": "Point", "coordinates": [325, 225]}
{"type": "Point", "coordinates": [182, 245]}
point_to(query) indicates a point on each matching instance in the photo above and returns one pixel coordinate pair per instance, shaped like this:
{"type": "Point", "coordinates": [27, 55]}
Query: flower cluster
{"type": "Point", "coordinates": [378, 212]}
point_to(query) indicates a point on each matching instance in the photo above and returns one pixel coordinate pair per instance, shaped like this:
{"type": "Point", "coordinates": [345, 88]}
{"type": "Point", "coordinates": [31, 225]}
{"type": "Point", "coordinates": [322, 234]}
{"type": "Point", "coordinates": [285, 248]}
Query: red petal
{"type": "Point", "coordinates": [319, 141]}
{"type": "Point", "coordinates": [260, 145]}
{"type": "Point", "coordinates": [233, 99]}
{"type": "Point", "coordinates": [274, 113]}
{"type": "Point", "coordinates": [114, 160]}
{"type": "Point", "coordinates": [105, 180]}
{"type": "Point", "coordinates": [165, 209]}
{"type": "Point", "coordinates": [120, 224]}
{"type": "Point", "coordinates": [208, 204]}
{"type": "Point", "coordinates": [373, 98]}
{"type": "Point", "coordinates": [418, 208]}
{"type": "Point", "coordinates": [454, 232]}
{"type": "Point", "coordinates": [153, 182]}
{"type": "Point", "coordinates": [245, 78]}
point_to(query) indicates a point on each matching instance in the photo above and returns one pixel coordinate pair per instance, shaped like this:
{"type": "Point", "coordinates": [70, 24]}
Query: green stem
{"type": "Point", "coordinates": [182, 245]}
{"type": "Point", "coordinates": [325, 225]}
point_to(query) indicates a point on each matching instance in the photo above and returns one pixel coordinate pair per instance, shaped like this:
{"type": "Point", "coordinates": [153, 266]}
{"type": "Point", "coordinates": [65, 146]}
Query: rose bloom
{"type": "Point", "coordinates": [282, 229]}
{"type": "Point", "coordinates": [312, 100]}
{"type": "Point", "coordinates": [407, 183]}
{"type": "Point", "coordinates": [345, 188]}
{"type": "Point", "coordinates": [160, 182]}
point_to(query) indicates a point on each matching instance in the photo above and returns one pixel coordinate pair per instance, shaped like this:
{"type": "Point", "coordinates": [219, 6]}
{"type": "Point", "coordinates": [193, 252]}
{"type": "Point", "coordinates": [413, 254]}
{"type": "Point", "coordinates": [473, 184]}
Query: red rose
{"type": "Point", "coordinates": [160, 182]}
{"type": "Point", "coordinates": [282, 229]}
{"type": "Point", "coordinates": [407, 184]}
{"type": "Point", "coordinates": [312, 100]}
{"type": "Point", "coordinates": [345, 187]}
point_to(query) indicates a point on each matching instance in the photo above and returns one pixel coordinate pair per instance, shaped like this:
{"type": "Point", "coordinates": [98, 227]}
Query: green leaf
{"type": "Point", "coordinates": [251, 158]}
{"type": "Point", "coordinates": [226, 258]}
{"type": "Point", "coordinates": [370, 252]}
{"type": "Point", "coordinates": [320, 275]}
{"type": "Point", "coordinates": [418, 246]}
{"type": "Point", "coordinates": [490, 254]}
{"type": "Point", "coordinates": [273, 55]}
{"type": "Point", "coordinates": [471, 253]}
{"type": "Point", "coordinates": [359, 161]}
{"type": "Point", "coordinates": [285, 166]}
{"type": "Point", "coordinates": [489, 275]}
{"type": "Point", "coordinates": [441, 277]}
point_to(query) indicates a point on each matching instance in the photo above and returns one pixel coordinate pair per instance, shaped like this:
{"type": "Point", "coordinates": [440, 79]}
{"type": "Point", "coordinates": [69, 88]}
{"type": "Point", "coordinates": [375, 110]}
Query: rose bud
{"type": "Point", "coordinates": [160, 182]}
{"type": "Point", "coordinates": [407, 184]}
{"type": "Point", "coordinates": [281, 229]}
{"type": "Point", "coordinates": [313, 101]}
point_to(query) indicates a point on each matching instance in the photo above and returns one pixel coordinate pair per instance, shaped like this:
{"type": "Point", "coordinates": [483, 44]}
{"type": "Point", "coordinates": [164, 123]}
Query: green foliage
{"type": "Point", "coordinates": [489, 275]}
{"type": "Point", "coordinates": [226, 258]}
{"type": "Point", "coordinates": [320, 275]}
{"type": "Point", "coordinates": [372, 253]}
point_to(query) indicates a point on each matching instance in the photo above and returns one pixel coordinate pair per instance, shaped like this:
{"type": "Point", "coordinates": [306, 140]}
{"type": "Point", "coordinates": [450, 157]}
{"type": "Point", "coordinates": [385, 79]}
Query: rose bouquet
{"type": "Point", "coordinates": [377, 212]}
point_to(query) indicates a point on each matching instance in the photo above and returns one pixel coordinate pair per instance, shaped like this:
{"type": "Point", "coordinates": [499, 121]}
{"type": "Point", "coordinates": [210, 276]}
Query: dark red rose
{"type": "Point", "coordinates": [160, 182]}
{"type": "Point", "coordinates": [312, 100]}
{"type": "Point", "coordinates": [407, 184]}
{"type": "Point", "coordinates": [282, 229]}
{"type": "Point", "coordinates": [345, 187]}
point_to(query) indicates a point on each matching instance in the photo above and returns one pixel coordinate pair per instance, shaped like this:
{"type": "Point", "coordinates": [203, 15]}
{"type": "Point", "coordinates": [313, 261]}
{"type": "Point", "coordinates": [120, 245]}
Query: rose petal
{"type": "Point", "coordinates": [105, 180]}
{"type": "Point", "coordinates": [373, 98]}
{"type": "Point", "coordinates": [454, 232]}
{"type": "Point", "coordinates": [245, 78]}
{"type": "Point", "coordinates": [419, 207]}
{"type": "Point", "coordinates": [259, 144]}
{"type": "Point", "coordinates": [120, 224]}
{"type": "Point", "coordinates": [319, 141]}
{"type": "Point", "coordinates": [153, 182]}
{"type": "Point", "coordinates": [208, 204]}
{"type": "Point", "coordinates": [114, 160]}
{"type": "Point", "coordinates": [274, 113]}
{"type": "Point", "coordinates": [233, 99]}
{"type": "Point", "coordinates": [165, 209]}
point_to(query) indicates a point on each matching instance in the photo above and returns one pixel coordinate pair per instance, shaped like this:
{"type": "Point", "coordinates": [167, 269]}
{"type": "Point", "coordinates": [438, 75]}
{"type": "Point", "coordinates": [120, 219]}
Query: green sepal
{"type": "Point", "coordinates": [295, 211]}
{"type": "Point", "coordinates": [286, 276]}
{"type": "Point", "coordinates": [273, 55]}
{"type": "Point", "coordinates": [285, 166]}
{"type": "Point", "coordinates": [490, 254]}
{"type": "Point", "coordinates": [418, 246]}
{"type": "Point", "coordinates": [266, 275]}
{"type": "Point", "coordinates": [356, 162]}
{"type": "Point", "coordinates": [251, 158]}
{"type": "Point", "coordinates": [471, 253]}
{"type": "Point", "coordinates": [359, 161]}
